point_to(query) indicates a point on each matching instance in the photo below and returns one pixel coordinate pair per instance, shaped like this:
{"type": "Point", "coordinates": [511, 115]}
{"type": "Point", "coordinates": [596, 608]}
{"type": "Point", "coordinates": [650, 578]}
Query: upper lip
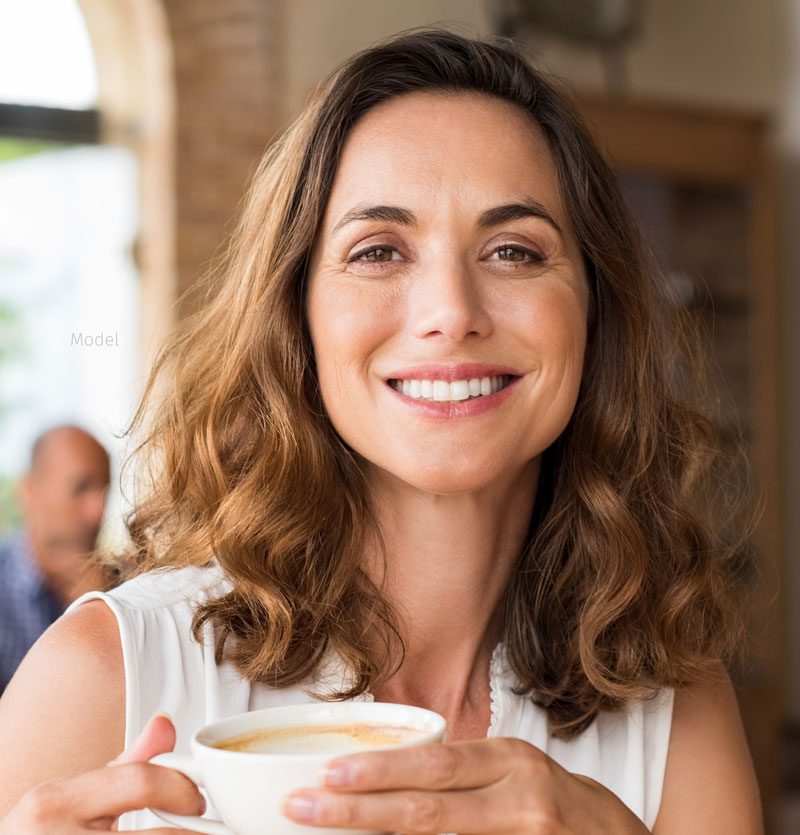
{"type": "Point", "coordinates": [452, 371]}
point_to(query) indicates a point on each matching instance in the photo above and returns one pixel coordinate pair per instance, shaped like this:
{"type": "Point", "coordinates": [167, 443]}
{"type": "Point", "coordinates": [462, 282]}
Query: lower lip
{"type": "Point", "coordinates": [458, 408]}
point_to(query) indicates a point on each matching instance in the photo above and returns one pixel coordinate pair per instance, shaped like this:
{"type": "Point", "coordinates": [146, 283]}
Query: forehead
{"type": "Point", "coordinates": [68, 453]}
{"type": "Point", "coordinates": [439, 148]}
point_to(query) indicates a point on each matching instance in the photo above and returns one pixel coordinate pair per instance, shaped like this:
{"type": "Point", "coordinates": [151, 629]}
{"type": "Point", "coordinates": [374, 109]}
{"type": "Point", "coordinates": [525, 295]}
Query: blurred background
{"type": "Point", "coordinates": [129, 128]}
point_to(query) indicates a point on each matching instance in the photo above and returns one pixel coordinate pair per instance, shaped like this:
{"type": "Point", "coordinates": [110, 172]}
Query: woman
{"type": "Point", "coordinates": [424, 445]}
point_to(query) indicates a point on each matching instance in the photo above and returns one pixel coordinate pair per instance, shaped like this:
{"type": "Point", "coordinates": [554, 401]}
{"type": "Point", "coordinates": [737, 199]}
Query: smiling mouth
{"type": "Point", "coordinates": [442, 391]}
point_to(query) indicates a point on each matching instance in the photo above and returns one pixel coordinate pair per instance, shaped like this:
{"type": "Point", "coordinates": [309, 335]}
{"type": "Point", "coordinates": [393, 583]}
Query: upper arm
{"type": "Point", "coordinates": [64, 711]}
{"type": "Point", "coordinates": [709, 784]}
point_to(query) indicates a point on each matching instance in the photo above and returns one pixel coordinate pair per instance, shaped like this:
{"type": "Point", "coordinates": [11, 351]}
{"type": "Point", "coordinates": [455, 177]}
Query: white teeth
{"type": "Point", "coordinates": [442, 391]}
{"type": "Point", "coordinates": [459, 390]}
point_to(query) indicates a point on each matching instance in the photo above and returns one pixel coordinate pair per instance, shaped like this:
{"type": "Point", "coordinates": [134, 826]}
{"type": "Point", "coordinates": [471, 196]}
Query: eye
{"type": "Point", "coordinates": [517, 254]}
{"type": "Point", "coordinates": [81, 487]}
{"type": "Point", "coordinates": [376, 255]}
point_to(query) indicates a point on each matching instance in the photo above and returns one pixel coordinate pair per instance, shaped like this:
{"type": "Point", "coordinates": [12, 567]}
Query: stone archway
{"type": "Point", "coordinates": [195, 88]}
{"type": "Point", "coordinates": [136, 99]}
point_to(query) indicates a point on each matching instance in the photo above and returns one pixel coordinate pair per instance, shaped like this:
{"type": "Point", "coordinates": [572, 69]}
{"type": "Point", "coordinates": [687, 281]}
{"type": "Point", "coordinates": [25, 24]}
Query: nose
{"type": "Point", "coordinates": [447, 302]}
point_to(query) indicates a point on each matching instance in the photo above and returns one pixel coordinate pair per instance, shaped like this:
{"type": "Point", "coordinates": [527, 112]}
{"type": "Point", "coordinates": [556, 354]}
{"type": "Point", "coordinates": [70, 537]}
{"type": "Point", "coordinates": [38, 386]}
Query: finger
{"type": "Point", "coordinates": [467, 811]}
{"type": "Point", "coordinates": [170, 831]}
{"type": "Point", "coordinates": [158, 831]}
{"type": "Point", "coordinates": [109, 792]}
{"type": "Point", "coordinates": [157, 737]}
{"type": "Point", "coordinates": [437, 765]}
{"type": "Point", "coordinates": [106, 825]}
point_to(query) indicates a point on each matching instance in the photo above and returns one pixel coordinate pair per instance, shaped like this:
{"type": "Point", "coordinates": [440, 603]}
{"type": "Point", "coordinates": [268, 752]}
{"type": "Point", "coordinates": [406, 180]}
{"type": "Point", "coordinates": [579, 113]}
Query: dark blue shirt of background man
{"type": "Point", "coordinates": [27, 606]}
{"type": "Point", "coordinates": [48, 564]}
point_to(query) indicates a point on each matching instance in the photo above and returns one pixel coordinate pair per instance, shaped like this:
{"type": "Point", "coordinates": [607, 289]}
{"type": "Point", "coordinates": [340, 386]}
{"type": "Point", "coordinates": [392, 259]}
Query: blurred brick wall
{"type": "Point", "coordinates": [228, 90]}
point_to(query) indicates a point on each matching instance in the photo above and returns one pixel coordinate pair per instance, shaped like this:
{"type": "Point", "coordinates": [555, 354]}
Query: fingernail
{"type": "Point", "coordinates": [338, 775]}
{"type": "Point", "coordinates": [165, 715]}
{"type": "Point", "coordinates": [303, 808]}
{"type": "Point", "coordinates": [203, 805]}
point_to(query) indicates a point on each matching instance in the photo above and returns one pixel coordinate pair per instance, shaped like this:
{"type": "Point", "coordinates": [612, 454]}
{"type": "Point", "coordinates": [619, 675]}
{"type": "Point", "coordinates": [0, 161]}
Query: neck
{"type": "Point", "coordinates": [449, 560]}
{"type": "Point", "coordinates": [67, 570]}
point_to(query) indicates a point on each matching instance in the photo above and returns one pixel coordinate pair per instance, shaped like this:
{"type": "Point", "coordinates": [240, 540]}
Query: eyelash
{"type": "Point", "coordinates": [536, 258]}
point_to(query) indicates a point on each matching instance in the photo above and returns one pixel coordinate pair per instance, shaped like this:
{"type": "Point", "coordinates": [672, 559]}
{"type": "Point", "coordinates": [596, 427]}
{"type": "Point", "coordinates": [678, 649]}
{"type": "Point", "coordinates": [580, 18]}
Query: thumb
{"type": "Point", "coordinates": [157, 737]}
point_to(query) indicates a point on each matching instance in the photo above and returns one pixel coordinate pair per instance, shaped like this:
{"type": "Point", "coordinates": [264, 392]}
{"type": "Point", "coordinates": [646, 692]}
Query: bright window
{"type": "Point", "coordinates": [68, 224]}
{"type": "Point", "coordinates": [45, 54]}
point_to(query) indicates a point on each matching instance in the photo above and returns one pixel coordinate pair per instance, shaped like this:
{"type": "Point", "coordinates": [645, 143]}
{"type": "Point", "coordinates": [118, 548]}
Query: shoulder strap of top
{"type": "Point", "coordinates": [166, 669]}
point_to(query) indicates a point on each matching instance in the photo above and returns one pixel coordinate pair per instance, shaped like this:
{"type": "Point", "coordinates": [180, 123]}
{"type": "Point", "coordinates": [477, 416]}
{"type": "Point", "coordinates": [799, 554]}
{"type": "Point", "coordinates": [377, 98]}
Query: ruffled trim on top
{"type": "Point", "coordinates": [496, 669]}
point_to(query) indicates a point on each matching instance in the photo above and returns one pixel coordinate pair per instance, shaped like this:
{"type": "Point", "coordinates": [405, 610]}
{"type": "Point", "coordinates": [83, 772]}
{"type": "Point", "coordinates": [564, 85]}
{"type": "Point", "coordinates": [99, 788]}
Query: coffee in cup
{"type": "Point", "coordinates": [321, 739]}
{"type": "Point", "coordinates": [248, 763]}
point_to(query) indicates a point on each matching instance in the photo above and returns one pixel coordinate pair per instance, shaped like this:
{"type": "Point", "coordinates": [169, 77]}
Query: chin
{"type": "Point", "coordinates": [444, 479]}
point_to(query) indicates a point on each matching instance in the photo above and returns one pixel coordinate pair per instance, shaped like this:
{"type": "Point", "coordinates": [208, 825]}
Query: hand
{"type": "Point", "coordinates": [489, 785]}
{"type": "Point", "coordinates": [92, 801]}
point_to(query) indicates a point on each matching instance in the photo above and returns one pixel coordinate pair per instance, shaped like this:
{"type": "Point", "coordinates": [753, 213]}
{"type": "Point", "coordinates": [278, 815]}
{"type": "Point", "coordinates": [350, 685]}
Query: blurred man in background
{"type": "Point", "coordinates": [48, 563]}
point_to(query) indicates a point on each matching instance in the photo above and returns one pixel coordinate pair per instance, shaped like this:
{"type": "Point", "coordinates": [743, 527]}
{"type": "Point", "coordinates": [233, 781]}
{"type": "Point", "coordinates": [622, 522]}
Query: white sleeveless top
{"type": "Point", "coordinates": [167, 670]}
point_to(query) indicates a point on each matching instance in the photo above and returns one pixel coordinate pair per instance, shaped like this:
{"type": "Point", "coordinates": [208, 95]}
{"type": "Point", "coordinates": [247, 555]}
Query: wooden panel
{"type": "Point", "coordinates": [716, 174]}
{"type": "Point", "coordinates": [678, 141]}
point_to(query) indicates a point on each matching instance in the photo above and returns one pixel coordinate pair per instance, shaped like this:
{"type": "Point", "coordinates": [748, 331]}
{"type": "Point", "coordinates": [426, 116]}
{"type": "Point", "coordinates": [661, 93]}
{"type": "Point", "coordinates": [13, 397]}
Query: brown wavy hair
{"type": "Point", "coordinates": [628, 579]}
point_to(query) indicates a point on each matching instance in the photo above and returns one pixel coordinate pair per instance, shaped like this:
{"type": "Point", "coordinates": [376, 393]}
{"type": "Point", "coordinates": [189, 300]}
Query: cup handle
{"type": "Point", "coordinates": [188, 765]}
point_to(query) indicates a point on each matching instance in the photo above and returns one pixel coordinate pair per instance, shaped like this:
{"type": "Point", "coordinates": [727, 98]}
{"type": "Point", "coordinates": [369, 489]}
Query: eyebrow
{"type": "Point", "coordinates": [515, 211]}
{"type": "Point", "coordinates": [491, 217]}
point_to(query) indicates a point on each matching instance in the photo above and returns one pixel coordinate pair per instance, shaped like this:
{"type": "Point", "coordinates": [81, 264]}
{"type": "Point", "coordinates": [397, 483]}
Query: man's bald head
{"type": "Point", "coordinates": [64, 491]}
{"type": "Point", "coordinates": [64, 434]}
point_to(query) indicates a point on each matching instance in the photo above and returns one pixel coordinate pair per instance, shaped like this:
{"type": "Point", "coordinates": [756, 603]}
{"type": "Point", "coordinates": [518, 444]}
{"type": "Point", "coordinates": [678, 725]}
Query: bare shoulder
{"type": "Point", "coordinates": [64, 711]}
{"type": "Point", "coordinates": [709, 784]}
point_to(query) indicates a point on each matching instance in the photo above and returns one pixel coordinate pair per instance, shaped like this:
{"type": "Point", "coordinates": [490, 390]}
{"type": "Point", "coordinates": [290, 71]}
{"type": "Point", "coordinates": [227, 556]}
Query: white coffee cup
{"type": "Point", "coordinates": [246, 788]}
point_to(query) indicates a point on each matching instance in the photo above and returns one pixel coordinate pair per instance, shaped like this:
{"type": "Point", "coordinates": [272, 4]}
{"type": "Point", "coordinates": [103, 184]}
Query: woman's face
{"type": "Point", "coordinates": [446, 260]}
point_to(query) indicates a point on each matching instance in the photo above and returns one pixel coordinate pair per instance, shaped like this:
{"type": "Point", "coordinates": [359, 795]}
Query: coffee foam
{"type": "Point", "coordinates": [320, 739]}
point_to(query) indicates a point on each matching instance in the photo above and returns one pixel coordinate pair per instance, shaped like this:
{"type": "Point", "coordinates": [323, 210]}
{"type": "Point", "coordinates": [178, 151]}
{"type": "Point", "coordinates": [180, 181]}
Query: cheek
{"type": "Point", "coordinates": [555, 330]}
{"type": "Point", "coordinates": [566, 333]}
{"type": "Point", "coordinates": [346, 327]}
{"type": "Point", "coordinates": [553, 323]}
